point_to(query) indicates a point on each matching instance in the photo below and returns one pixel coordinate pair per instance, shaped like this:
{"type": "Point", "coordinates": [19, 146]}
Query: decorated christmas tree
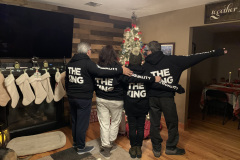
{"type": "Point", "coordinates": [132, 42]}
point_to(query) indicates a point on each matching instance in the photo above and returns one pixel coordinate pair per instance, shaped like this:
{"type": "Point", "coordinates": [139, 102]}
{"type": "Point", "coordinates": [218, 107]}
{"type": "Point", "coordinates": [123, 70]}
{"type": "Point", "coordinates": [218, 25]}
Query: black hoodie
{"type": "Point", "coordinates": [112, 89]}
{"type": "Point", "coordinates": [109, 88]}
{"type": "Point", "coordinates": [171, 67]}
{"type": "Point", "coordinates": [80, 73]}
{"type": "Point", "coordinates": [136, 91]}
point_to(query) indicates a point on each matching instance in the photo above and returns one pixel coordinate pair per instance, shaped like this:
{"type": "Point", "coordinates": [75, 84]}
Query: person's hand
{"type": "Point", "coordinates": [180, 89]}
{"type": "Point", "coordinates": [127, 71]}
{"type": "Point", "coordinates": [157, 78]}
{"type": "Point", "coordinates": [225, 51]}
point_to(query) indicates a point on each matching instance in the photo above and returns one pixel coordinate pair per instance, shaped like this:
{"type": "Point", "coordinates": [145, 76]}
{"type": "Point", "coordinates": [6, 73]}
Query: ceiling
{"type": "Point", "coordinates": [124, 8]}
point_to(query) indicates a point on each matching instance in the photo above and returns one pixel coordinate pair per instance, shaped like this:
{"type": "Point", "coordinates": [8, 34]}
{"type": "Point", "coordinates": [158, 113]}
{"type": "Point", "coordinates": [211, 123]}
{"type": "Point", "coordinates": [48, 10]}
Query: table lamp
{"type": "Point", "coordinates": [4, 135]}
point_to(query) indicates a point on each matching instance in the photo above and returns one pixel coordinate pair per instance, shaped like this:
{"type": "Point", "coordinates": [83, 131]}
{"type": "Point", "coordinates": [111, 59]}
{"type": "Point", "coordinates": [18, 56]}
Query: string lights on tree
{"type": "Point", "coordinates": [132, 42]}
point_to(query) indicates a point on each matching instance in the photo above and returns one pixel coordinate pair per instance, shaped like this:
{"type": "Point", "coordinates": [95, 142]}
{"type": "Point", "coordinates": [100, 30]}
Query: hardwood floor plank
{"type": "Point", "coordinates": [203, 140]}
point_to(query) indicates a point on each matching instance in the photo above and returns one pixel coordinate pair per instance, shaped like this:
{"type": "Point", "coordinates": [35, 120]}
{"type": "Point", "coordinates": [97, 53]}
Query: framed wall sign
{"type": "Point", "coordinates": [222, 11]}
{"type": "Point", "coordinates": [168, 48]}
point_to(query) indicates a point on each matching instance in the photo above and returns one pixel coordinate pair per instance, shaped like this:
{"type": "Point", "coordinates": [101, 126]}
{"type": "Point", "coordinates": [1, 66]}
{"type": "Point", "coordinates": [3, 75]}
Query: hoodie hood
{"type": "Point", "coordinates": [154, 58]}
{"type": "Point", "coordinates": [138, 69]}
{"type": "Point", "coordinates": [78, 57]}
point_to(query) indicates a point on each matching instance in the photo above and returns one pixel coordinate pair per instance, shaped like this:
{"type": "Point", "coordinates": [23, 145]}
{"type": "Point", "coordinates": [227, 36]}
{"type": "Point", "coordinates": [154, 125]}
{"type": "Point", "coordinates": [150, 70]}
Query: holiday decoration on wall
{"type": "Point", "coordinates": [132, 42]}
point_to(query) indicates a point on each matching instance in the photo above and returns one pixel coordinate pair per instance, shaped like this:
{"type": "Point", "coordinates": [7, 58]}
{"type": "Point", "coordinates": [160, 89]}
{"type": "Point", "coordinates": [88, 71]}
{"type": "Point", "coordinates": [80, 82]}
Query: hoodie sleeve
{"type": "Point", "coordinates": [96, 70]}
{"type": "Point", "coordinates": [66, 79]}
{"type": "Point", "coordinates": [167, 87]}
{"type": "Point", "coordinates": [185, 62]}
{"type": "Point", "coordinates": [137, 79]}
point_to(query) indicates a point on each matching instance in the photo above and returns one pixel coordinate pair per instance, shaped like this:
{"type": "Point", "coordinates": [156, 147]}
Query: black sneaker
{"type": "Point", "coordinates": [174, 151]}
{"type": "Point", "coordinates": [157, 154]}
{"type": "Point", "coordinates": [133, 152]}
{"type": "Point", "coordinates": [114, 146]}
{"type": "Point", "coordinates": [86, 149]}
{"type": "Point", "coordinates": [139, 152]}
{"type": "Point", "coordinates": [105, 152]}
{"type": "Point", "coordinates": [74, 145]}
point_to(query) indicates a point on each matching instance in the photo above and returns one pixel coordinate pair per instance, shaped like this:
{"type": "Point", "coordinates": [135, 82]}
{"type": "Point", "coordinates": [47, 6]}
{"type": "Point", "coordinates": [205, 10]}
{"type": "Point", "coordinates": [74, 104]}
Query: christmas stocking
{"type": "Point", "coordinates": [40, 93]}
{"type": "Point", "coordinates": [4, 96]}
{"type": "Point", "coordinates": [12, 89]}
{"type": "Point", "coordinates": [59, 91]}
{"type": "Point", "coordinates": [23, 83]}
{"type": "Point", "coordinates": [47, 86]}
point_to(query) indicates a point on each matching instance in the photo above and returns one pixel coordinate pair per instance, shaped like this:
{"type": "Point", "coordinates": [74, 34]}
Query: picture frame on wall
{"type": "Point", "coordinates": [168, 48]}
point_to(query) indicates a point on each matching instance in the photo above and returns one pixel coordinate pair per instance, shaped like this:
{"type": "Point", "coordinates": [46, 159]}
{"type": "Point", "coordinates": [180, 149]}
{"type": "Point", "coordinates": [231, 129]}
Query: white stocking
{"type": "Point", "coordinates": [23, 83]}
{"type": "Point", "coordinates": [40, 93]}
{"type": "Point", "coordinates": [12, 89]}
{"type": "Point", "coordinates": [59, 91]}
{"type": "Point", "coordinates": [47, 86]}
{"type": "Point", "coordinates": [4, 96]}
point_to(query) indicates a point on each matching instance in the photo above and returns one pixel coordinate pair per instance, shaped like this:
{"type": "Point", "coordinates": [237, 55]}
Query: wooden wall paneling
{"type": "Point", "coordinates": [120, 18]}
{"type": "Point", "coordinates": [94, 55]}
{"type": "Point", "coordinates": [97, 46]}
{"type": "Point", "coordinates": [100, 42]}
{"type": "Point", "coordinates": [110, 34]}
{"type": "Point", "coordinates": [104, 38]}
{"type": "Point", "coordinates": [94, 23]}
{"type": "Point", "coordinates": [116, 47]}
{"type": "Point", "coordinates": [81, 31]}
{"type": "Point", "coordinates": [98, 28]}
{"type": "Point", "coordinates": [81, 36]}
{"type": "Point", "coordinates": [118, 39]}
{"type": "Point", "coordinates": [119, 25]}
{"type": "Point", "coordinates": [75, 40]}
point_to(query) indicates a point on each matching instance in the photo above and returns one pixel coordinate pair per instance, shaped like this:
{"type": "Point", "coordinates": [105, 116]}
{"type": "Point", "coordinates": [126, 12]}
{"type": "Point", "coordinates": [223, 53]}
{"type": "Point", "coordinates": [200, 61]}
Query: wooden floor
{"type": "Point", "coordinates": [203, 140]}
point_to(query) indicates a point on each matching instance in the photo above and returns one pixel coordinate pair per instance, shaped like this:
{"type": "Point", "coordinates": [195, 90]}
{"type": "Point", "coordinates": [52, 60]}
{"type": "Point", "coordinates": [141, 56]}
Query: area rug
{"type": "Point", "coordinates": [118, 154]}
{"type": "Point", "coordinates": [71, 154]}
{"type": "Point", "coordinates": [39, 143]}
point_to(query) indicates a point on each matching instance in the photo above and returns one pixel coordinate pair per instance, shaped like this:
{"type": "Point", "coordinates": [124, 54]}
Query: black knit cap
{"type": "Point", "coordinates": [135, 60]}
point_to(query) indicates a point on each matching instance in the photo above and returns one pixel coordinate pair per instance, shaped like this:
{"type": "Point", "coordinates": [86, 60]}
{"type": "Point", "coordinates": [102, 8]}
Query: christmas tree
{"type": "Point", "coordinates": [132, 42]}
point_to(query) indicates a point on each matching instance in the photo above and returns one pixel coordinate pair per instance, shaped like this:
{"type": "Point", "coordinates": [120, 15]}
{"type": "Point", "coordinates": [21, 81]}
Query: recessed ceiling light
{"type": "Point", "coordinates": [93, 4]}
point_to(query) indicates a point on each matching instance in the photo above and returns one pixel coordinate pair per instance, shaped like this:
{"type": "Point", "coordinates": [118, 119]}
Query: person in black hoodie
{"type": "Point", "coordinates": [109, 99]}
{"type": "Point", "coordinates": [79, 83]}
{"type": "Point", "coordinates": [136, 102]}
{"type": "Point", "coordinates": [170, 69]}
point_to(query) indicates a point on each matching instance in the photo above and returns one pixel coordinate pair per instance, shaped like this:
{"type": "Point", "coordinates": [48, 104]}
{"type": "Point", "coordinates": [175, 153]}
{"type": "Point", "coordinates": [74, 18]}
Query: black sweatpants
{"type": "Point", "coordinates": [168, 107]}
{"type": "Point", "coordinates": [136, 129]}
{"type": "Point", "coordinates": [80, 112]}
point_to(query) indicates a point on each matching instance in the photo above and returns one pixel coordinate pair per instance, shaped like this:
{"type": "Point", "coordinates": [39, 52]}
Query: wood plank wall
{"type": "Point", "coordinates": [94, 28]}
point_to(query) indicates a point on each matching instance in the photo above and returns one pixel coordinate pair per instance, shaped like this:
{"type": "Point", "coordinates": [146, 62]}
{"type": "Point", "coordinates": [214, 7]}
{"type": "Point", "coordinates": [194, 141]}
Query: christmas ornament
{"type": "Point", "coordinates": [132, 42]}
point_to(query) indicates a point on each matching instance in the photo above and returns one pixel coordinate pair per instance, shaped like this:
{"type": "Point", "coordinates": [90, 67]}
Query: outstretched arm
{"type": "Point", "coordinates": [185, 62]}
{"type": "Point", "coordinates": [134, 78]}
{"type": "Point", "coordinates": [167, 87]}
{"type": "Point", "coordinates": [99, 71]}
